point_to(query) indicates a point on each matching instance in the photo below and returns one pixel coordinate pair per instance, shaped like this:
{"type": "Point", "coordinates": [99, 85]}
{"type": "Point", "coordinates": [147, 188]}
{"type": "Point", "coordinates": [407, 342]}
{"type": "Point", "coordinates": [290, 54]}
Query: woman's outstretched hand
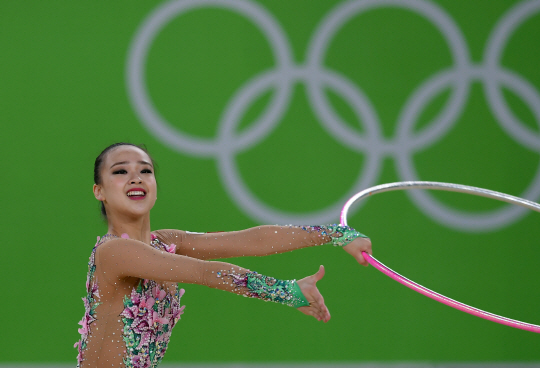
{"type": "Point", "coordinates": [316, 308]}
{"type": "Point", "coordinates": [356, 247]}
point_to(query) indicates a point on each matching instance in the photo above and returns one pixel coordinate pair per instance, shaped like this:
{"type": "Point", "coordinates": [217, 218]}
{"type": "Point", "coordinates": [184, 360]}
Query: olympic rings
{"type": "Point", "coordinates": [419, 288]}
{"type": "Point", "coordinates": [316, 77]}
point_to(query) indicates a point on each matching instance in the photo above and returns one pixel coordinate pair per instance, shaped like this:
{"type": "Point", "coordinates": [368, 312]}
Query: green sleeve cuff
{"type": "Point", "coordinates": [348, 234]}
{"type": "Point", "coordinates": [280, 291]}
{"type": "Point", "coordinates": [340, 235]}
{"type": "Point", "coordinates": [299, 300]}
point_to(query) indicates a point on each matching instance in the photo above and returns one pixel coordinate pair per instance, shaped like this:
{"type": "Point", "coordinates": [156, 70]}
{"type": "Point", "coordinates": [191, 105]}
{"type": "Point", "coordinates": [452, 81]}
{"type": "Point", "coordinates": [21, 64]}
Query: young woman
{"type": "Point", "coordinates": [133, 300]}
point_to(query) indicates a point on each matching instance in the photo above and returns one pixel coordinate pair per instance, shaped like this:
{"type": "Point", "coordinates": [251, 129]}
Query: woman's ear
{"type": "Point", "coordinates": [98, 193]}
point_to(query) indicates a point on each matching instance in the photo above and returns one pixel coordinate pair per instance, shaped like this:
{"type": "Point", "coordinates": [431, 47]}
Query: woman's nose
{"type": "Point", "coordinates": [136, 180]}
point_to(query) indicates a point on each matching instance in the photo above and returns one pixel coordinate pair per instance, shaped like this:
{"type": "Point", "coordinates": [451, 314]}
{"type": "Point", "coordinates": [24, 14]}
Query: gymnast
{"type": "Point", "coordinates": [132, 298]}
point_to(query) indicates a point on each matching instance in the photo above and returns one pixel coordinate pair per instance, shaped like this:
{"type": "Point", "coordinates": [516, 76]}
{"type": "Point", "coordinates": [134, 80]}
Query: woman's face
{"type": "Point", "coordinates": [128, 185]}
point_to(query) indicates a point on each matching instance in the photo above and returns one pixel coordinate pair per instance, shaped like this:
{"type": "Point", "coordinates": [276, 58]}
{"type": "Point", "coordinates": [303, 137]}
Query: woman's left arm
{"type": "Point", "coordinates": [263, 240]}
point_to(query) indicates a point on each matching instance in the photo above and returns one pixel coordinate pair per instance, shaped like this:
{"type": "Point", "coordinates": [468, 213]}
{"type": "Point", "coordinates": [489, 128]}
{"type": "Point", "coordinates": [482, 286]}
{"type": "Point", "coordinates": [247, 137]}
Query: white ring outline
{"type": "Point", "coordinates": [146, 34]}
{"type": "Point", "coordinates": [285, 74]}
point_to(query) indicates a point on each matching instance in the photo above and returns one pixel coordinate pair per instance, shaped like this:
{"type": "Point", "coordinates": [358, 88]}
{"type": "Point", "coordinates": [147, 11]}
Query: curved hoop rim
{"type": "Point", "coordinates": [406, 185]}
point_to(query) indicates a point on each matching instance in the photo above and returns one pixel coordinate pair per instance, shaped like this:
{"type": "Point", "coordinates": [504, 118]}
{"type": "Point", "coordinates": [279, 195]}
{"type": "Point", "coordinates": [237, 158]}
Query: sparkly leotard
{"type": "Point", "coordinates": [133, 301]}
{"type": "Point", "coordinates": [150, 312]}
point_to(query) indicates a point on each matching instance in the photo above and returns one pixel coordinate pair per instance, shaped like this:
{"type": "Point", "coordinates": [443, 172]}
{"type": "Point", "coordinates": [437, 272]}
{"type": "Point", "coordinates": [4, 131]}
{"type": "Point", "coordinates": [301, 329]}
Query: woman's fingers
{"type": "Point", "coordinates": [308, 286]}
{"type": "Point", "coordinates": [360, 258]}
{"type": "Point", "coordinates": [356, 247]}
{"type": "Point", "coordinates": [319, 274]}
{"type": "Point", "coordinates": [318, 304]}
{"type": "Point", "coordinates": [321, 309]}
{"type": "Point", "coordinates": [311, 312]}
{"type": "Point", "coordinates": [316, 309]}
{"type": "Point", "coordinates": [366, 246]}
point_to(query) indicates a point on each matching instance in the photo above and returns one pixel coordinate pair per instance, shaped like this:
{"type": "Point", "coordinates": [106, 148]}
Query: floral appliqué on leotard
{"type": "Point", "coordinates": [149, 315]}
{"type": "Point", "coordinates": [90, 305]}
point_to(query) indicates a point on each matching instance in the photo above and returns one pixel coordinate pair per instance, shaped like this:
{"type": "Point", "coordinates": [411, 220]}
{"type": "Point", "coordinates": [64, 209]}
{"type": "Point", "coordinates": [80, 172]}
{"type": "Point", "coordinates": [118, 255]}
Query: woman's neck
{"type": "Point", "coordinates": [138, 229]}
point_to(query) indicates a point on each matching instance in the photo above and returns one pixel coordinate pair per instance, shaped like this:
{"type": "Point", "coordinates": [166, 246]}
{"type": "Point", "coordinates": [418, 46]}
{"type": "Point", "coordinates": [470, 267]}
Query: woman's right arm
{"type": "Point", "coordinates": [121, 258]}
{"type": "Point", "coordinates": [261, 240]}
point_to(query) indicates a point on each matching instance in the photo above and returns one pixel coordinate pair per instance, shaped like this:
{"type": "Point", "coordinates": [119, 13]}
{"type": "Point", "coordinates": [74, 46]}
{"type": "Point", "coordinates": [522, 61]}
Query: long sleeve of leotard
{"type": "Point", "coordinates": [131, 258]}
{"type": "Point", "coordinates": [256, 241]}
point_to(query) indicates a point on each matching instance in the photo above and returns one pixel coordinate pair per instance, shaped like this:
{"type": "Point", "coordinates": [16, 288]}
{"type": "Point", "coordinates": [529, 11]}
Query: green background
{"type": "Point", "coordinates": [63, 98]}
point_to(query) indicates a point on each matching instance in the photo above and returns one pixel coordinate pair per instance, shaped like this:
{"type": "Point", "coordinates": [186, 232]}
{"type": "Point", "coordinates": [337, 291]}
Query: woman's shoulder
{"type": "Point", "coordinates": [109, 239]}
{"type": "Point", "coordinates": [169, 236]}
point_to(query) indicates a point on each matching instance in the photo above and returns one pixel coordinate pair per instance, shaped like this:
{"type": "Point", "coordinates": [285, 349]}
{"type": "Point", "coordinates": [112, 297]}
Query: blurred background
{"type": "Point", "coordinates": [276, 112]}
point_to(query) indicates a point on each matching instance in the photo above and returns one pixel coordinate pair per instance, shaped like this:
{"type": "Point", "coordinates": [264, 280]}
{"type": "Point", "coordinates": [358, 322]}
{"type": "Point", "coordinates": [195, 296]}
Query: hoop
{"type": "Point", "coordinates": [405, 185]}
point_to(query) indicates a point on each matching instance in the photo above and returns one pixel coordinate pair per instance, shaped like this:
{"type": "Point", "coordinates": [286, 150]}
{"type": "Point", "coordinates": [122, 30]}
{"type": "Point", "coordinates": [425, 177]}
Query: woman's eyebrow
{"type": "Point", "coordinates": [127, 162]}
{"type": "Point", "coordinates": [118, 163]}
{"type": "Point", "coordinates": [146, 163]}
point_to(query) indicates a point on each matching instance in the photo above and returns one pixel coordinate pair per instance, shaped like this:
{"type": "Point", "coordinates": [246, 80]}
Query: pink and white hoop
{"type": "Point", "coordinates": [419, 288]}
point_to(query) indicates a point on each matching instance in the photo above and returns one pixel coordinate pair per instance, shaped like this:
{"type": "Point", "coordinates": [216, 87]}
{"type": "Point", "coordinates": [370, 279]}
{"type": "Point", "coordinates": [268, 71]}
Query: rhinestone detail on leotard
{"type": "Point", "coordinates": [149, 315]}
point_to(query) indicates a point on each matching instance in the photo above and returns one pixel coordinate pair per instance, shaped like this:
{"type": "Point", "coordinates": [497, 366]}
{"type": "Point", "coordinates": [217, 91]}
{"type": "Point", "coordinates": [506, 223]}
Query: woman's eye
{"type": "Point", "coordinates": [121, 171]}
{"type": "Point", "coordinates": [146, 171]}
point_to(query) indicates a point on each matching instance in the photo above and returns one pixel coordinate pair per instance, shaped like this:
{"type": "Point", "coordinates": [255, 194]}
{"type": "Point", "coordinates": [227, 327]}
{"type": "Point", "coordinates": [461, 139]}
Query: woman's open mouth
{"type": "Point", "coordinates": [136, 194]}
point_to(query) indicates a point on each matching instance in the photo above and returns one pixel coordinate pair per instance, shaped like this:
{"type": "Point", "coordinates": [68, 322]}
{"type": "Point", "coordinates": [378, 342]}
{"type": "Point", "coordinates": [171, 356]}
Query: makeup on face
{"type": "Point", "coordinates": [136, 194]}
{"type": "Point", "coordinates": [129, 172]}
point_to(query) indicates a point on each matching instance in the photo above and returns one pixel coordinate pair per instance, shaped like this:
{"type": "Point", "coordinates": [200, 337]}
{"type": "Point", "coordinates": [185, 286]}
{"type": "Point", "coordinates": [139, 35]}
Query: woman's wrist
{"type": "Point", "coordinates": [339, 235]}
{"type": "Point", "coordinates": [280, 291]}
{"type": "Point", "coordinates": [268, 288]}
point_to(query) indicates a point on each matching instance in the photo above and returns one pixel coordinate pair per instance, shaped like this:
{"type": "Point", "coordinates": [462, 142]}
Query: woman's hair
{"type": "Point", "coordinates": [99, 163]}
